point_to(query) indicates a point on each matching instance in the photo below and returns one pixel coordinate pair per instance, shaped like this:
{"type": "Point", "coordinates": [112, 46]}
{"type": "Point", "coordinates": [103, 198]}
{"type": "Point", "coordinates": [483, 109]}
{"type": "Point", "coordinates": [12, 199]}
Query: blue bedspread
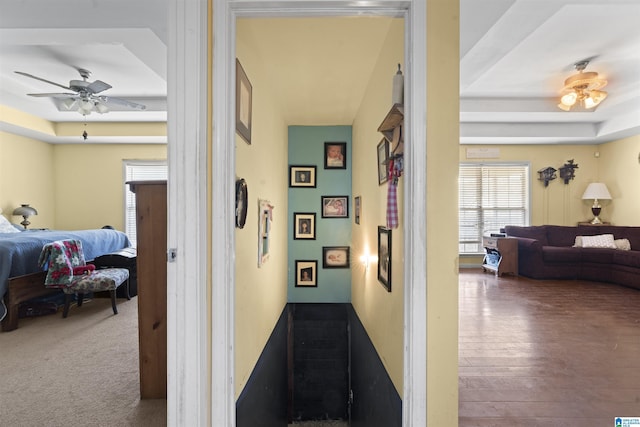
{"type": "Point", "coordinates": [19, 252]}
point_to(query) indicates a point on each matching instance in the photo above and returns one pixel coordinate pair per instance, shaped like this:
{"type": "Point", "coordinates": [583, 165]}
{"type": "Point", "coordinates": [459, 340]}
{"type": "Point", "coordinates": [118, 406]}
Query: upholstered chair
{"type": "Point", "coordinates": [68, 270]}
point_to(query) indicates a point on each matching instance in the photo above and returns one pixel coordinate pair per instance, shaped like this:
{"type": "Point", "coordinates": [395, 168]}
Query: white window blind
{"type": "Point", "coordinates": [491, 195]}
{"type": "Point", "coordinates": [139, 170]}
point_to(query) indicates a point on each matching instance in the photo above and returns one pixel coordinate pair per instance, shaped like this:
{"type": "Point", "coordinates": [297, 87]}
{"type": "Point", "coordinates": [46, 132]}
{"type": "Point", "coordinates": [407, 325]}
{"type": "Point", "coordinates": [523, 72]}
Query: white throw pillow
{"type": "Point", "coordinates": [599, 241]}
{"type": "Point", "coordinates": [623, 244]}
{"type": "Point", "coordinates": [578, 243]}
{"type": "Point", "coordinates": [6, 226]}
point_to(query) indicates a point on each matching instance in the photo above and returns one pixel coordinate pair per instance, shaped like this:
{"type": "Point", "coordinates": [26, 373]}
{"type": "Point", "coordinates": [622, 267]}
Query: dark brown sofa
{"type": "Point", "coordinates": [548, 252]}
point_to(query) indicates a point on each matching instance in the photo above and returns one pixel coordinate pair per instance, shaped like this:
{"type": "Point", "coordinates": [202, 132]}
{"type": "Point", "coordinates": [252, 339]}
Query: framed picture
{"type": "Point", "coordinates": [384, 257]}
{"type": "Point", "coordinates": [302, 176]}
{"type": "Point", "coordinates": [241, 203]}
{"type": "Point", "coordinates": [304, 226]}
{"type": "Point", "coordinates": [383, 157]}
{"type": "Point", "coordinates": [265, 210]}
{"type": "Point", "coordinates": [335, 155]}
{"type": "Point", "coordinates": [306, 274]}
{"type": "Point", "coordinates": [243, 103]}
{"type": "Point", "coordinates": [335, 257]}
{"type": "Point", "coordinates": [335, 206]}
{"type": "Point", "coordinates": [357, 207]}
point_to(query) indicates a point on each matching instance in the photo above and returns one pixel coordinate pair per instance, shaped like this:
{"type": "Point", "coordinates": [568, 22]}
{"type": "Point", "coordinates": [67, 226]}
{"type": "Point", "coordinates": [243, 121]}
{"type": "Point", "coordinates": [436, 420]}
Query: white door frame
{"type": "Point", "coordinates": [188, 343]}
{"type": "Point", "coordinates": [187, 340]}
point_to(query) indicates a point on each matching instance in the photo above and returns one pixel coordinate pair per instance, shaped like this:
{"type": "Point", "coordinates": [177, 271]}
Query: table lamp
{"type": "Point", "coordinates": [596, 191]}
{"type": "Point", "coordinates": [25, 211]}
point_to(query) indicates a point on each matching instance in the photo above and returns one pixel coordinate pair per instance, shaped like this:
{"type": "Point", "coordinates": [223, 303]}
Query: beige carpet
{"type": "Point", "coordinates": [78, 371]}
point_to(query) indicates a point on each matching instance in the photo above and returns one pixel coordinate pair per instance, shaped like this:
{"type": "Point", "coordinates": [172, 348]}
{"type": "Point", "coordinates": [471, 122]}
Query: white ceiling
{"type": "Point", "coordinates": [515, 55]}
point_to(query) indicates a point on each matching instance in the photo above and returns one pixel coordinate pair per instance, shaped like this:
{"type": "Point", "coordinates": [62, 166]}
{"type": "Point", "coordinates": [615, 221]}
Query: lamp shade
{"type": "Point", "coordinates": [25, 210]}
{"type": "Point", "coordinates": [597, 190]}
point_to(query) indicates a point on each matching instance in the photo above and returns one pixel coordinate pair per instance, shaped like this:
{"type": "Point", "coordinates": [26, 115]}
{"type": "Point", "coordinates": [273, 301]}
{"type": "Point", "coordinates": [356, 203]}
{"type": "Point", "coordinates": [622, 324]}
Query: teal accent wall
{"type": "Point", "coordinates": [306, 147]}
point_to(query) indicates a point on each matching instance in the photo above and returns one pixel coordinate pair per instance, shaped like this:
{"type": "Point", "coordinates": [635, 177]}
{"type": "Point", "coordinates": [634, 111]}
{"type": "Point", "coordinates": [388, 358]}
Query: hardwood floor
{"type": "Point", "coordinates": [547, 353]}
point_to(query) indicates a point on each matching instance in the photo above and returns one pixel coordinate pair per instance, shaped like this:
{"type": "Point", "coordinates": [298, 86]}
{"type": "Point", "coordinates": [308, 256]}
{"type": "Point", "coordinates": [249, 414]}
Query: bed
{"type": "Point", "coordinates": [19, 254]}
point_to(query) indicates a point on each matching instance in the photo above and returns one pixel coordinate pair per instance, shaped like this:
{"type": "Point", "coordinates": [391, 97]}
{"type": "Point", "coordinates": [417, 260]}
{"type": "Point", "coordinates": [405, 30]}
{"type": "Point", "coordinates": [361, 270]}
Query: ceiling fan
{"type": "Point", "coordinates": [85, 98]}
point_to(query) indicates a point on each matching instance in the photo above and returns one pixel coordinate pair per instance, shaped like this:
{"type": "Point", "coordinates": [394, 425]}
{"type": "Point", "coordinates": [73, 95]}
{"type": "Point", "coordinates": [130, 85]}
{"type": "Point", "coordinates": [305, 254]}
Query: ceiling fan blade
{"type": "Point", "coordinates": [54, 95]}
{"type": "Point", "coordinates": [42, 80]}
{"type": "Point", "coordinates": [123, 102]}
{"type": "Point", "coordinates": [98, 86]}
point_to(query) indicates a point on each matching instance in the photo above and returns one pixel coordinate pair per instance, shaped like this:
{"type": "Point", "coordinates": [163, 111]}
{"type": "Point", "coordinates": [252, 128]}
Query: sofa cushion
{"type": "Point", "coordinates": [536, 232]}
{"type": "Point", "coordinates": [558, 254]}
{"type": "Point", "coordinates": [619, 232]}
{"type": "Point", "coordinates": [622, 244]}
{"type": "Point", "coordinates": [598, 241]}
{"type": "Point", "coordinates": [627, 258]}
{"type": "Point", "coordinates": [630, 233]}
{"type": "Point", "coordinates": [559, 235]}
{"type": "Point", "coordinates": [597, 255]}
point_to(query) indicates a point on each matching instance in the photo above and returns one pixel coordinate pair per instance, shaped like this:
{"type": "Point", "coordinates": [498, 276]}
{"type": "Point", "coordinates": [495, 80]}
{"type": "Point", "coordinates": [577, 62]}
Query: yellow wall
{"type": "Point", "coordinates": [261, 293]}
{"type": "Point", "coordinates": [89, 181]}
{"type": "Point", "coordinates": [619, 169]}
{"type": "Point", "coordinates": [28, 121]}
{"type": "Point", "coordinates": [381, 312]}
{"type": "Point", "coordinates": [73, 186]}
{"type": "Point", "coordinates": [26, 176]}
{"type": "Point", "coordinates": [443, 63]}
{"type": "Point", "coordinates": [46, 128]}
{"type": "Point", "coordinates": [616, 163]}
{"type": "Point", "coordinates": [96, 129]}
{"type": "Point", "coordinates": [558, 203]}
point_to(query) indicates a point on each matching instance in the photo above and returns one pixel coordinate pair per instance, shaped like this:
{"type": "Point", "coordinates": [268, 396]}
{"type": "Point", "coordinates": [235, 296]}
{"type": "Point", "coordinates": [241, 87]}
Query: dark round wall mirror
{"type": "Point", "coordinates": [241, 203]}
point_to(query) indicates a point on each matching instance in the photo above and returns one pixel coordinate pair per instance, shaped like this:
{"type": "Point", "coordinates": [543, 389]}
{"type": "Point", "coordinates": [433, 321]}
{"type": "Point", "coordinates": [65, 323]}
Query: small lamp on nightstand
{"type": "Point", "coordinates": [25, 211]}
{"type": "Point", "coordinates": [596, 191]}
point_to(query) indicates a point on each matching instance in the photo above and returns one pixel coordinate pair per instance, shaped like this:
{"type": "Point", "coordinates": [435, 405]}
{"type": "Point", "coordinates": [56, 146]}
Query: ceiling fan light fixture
{"type": "Point", "coordinates": [569, 99]}
{"type": "Point", "coordinates": [85, 107]}
{"type": "Point", "coordinates": [595, 97]}
{"type": "Point", "coordinates": [69, 104]}
{"type": "Point", "coordinates": [564, 107]}
{"type": "Point", "coordinates": [582, 89]}
{"type": "Point", "coordinates": [86, 98]}
{"type": "Point", "coordinates": [585, 81]}
{"type": "Point", "coordinates": [101, 108]}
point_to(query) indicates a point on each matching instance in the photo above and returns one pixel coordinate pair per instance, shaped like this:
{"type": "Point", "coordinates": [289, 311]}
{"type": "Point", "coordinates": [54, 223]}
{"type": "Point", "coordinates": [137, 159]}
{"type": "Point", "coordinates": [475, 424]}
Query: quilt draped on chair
{"type": "Point", "coordinates": [65, 260]}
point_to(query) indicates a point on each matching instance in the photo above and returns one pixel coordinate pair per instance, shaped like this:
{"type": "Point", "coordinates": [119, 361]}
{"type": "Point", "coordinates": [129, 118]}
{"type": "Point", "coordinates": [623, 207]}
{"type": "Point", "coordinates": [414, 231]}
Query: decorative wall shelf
{"type": "Point", "coordinates": [392, 129]}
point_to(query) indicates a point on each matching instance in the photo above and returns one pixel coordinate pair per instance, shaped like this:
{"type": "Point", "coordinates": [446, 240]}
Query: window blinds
{"type": "Point", "coordinates": [490, 197]}
{"type": "Point", "coordinates": [139, 170]}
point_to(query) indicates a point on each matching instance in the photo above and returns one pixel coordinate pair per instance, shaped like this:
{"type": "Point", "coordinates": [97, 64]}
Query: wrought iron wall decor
{"type": "Point", "coordinates": [547, 174]}
{"type": "Point", "coordinates": [567, 172]}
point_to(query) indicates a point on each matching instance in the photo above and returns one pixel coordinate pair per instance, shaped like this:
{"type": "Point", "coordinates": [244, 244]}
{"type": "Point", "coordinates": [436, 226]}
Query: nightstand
{"type": "Point", "coordinates": [595, 225]}
{"type": "Point", "coordinates": [501, 255]}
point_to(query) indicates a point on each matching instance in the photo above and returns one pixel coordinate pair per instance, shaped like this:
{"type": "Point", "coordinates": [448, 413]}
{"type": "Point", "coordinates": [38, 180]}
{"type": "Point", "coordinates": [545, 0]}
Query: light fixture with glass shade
{"type": "Point", "coordinates": [25, 211]}
{"type": "Point", "coordinates": [596, 191]}
{"type": "Point", "coordinates": [582, 89]}
{"type": "Point", "coordinates": [83, 95]}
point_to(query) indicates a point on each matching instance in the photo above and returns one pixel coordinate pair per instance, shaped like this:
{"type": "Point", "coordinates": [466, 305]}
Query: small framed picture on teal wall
{"type": "Point", "coordinates": [304, 226]}
{"type": "Point", "coordinates": [335, 206]}
{"type": "Point", "coordinates": [335, 155]}
{"type": "Point", "coordinates": [335, 257]}
{"type": "Point", "coordinates": [302, 176]}
{"type": "Point", "coordinates": [306, 274]}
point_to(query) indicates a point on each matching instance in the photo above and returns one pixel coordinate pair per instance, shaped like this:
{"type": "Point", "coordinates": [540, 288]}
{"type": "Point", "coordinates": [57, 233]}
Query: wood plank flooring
{"type": "Point", "coordinates": [546, 353]}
